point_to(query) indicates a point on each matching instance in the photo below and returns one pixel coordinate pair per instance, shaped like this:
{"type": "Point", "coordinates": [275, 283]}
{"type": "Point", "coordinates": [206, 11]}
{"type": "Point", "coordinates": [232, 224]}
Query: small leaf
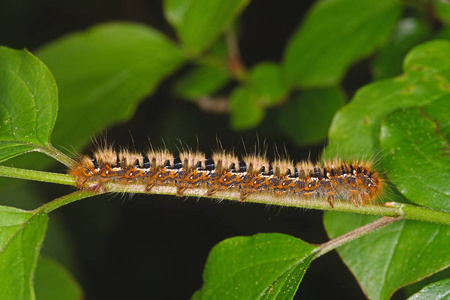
{"type": "Point", "coordinates": [355, 128]}
{"type": "Point", "coordinates": [266, 80]}
{"type": "Point", "coordinates": [263, 266]}
{"type": "Point", "coordinates": [246, 110]}
{"type": "Point", "coordinates": [28, 103]}
{"type": "Point", "coordinates": [199, 22]}
{"type": "Point", "coordinates": [387, 259]}
{"type": "Point", "coordinates": [102, 74]}
{"type": "Point", "coordinates": [201, 82]}
{"type": "Point", "coordinates": [436, 291]}
{"type": "Point", "coordinates": [409, 33]}
{"type": "Point", "coordinates": [334, 35]}
{"type": "Point", "coordinates": [21, 236]}
{"type": "Point", "coordinates": [417, 158]}
{"type": "Point", "coordinates": [315, 107]}
{"type": "Point", "coordinates": [53, 282]}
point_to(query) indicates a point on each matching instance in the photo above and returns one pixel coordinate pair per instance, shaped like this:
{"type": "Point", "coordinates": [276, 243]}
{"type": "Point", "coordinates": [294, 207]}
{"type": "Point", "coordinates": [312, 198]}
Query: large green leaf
{"type": "Point", "coordinates": [102, 73]}
{"type": "Point", "coordinates": [28, 103]}
{"type": "Point", "coordinates": [356, 127]}
{"type": "Point", "coordinates": [263, 266]}
{"type": "Point", "coordinates": [310, 107]}
{"type": "Point", "coordinates": [199, 22]}
{"type": "Point", "coordinates": [417, 156]}
{"type": "Point", "coordinates": [385, 260]}
{"type": "Point", "coordinates": [334, 35]}
{"type": "Point", "coordinates": [21, 236]}
{"type": "Point", "coordinates": [437, 291]}
{"type": "Point", "coordinates": [53, 282]}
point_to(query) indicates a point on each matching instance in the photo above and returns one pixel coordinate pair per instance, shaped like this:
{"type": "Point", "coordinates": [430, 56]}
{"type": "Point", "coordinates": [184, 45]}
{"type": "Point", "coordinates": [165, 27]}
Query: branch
{"type": "Point", "coordinates": [389, 209]}
{"type": "Point", "coordinates": [354, 234]}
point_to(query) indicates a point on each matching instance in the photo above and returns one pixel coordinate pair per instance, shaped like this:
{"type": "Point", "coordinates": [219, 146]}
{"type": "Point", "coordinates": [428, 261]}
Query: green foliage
{"type": "Point", "coordinates": [417, 150]}
{"type": "Point", "coordinates": [29, 103]}
{"type": "Point", "coordinates": [321, 50]}
{"type": "Point", "coordinates": [104, 72]}
{"type": "Point", "coordinates": [408, 33]}
{"type": "Point", "coordinates": [263, 266]}
{"type": "Point", "coordinates": [306, 109]}
{"type": "Point", "coordinates": [53, 282]}
{"type": "Point", "coordinates": [198, 22]}
{"type": "Point", "coordinates": [107, 64]}
{"type": "Point", "coordinates": [21, 236]}
{"type": "Point", "coordinates": [393, 252]}
{"type": "Point", "coordinates": [267, 82]}
{"type": "Point", "coordinates": [438, 290]}
{"type": "Point", "coordinates": [246, 108]}
{"type": "Point", "coordinates": [356, 127]}
{"type": "Point", "coordinates": [201, 82]}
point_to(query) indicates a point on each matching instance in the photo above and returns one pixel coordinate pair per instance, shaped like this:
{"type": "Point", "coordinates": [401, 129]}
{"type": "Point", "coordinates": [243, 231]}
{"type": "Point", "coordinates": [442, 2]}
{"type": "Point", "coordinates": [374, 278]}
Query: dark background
{"type": "Point", "coordinates": [155, 247]}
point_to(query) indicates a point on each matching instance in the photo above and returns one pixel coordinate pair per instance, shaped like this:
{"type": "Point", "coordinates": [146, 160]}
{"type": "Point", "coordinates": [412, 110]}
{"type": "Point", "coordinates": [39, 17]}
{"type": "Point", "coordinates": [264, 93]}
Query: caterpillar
{"type": "Point", "coordinates": [354, 181]}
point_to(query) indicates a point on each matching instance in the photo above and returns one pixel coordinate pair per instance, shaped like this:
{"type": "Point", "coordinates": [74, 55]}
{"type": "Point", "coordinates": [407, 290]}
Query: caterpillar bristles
{"type": "Point", "coordinates": [353, 181]}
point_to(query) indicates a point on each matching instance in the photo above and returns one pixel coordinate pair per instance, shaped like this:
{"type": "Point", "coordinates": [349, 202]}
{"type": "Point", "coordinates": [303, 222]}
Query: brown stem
{"type": "Point", "coordinates": [235, 64]}
{"type": "Point", "coordinates": [354, 234]}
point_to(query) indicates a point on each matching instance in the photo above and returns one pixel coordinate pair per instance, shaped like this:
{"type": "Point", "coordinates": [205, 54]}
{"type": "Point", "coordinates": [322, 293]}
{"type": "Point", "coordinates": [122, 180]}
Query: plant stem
{"type": "Point", "coordinates": [354, 234]}
{"type": "Point", "coordinates": [389, 209]}
{"type": "Point", "coordinates": [235, 64]}
{"type": "Point", "coordinates": [61, 201]}
{"type": "Point", "coordinates": [58, 155]}
{"type": "Point", "coordinates": [419, 213]}
{"type": "Point", "coordinates": [36, 175]}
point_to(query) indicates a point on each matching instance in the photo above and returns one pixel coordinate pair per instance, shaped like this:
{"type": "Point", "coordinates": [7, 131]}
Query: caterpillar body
{"type": "Point", "coordinates": [354, 181]}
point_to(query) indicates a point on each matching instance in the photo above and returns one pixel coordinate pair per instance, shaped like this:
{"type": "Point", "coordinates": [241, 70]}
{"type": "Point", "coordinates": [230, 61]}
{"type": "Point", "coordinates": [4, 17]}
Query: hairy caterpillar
{"type": "Point", "coordinates": [354, 181]}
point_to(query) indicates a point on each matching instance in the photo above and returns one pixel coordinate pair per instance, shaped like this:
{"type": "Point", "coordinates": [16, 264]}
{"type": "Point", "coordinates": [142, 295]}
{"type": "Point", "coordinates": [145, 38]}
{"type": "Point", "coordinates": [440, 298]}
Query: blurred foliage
{"type": "Point", "coordinates": [201, 52]}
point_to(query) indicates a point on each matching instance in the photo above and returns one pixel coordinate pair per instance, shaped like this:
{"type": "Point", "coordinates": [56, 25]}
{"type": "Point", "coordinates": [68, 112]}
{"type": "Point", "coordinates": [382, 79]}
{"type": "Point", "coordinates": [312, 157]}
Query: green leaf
{"type": "Point", "coordinates": [409, 33]}
{"type": "Point", "coordinates": [102, 74]}
{"type": "Point", "coordinates": [21, 236]}
{"type": "Point", "coordinates": [356, 127]}
{"type": "Point", "coordinates": [417, 158]}
{"type": "Point", "coordinates": [437, 290]}
{"type": "Point", "coordinates": [266, 80]}
{"type": "Point", "coordinates": [310, 107]}
{"type": "Point", "coordinates": [334, 35]}
{"type": "Point", "coordinates": [199, 22]}
{"type": "Point", "coordinates": [246, 109]}
{"type": "Point", "coordinates": [397, 255]}
{"type": "Point", "coordinates": [201, 82]}
{"type": "Point", "coordinates": [263, 266]}
{"type": "Point", "coordinates": [28, 103]}
{"type": "Point", "coordinates": [58, 243]}
{"type": "Point", "coordinates": [53, 282]}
